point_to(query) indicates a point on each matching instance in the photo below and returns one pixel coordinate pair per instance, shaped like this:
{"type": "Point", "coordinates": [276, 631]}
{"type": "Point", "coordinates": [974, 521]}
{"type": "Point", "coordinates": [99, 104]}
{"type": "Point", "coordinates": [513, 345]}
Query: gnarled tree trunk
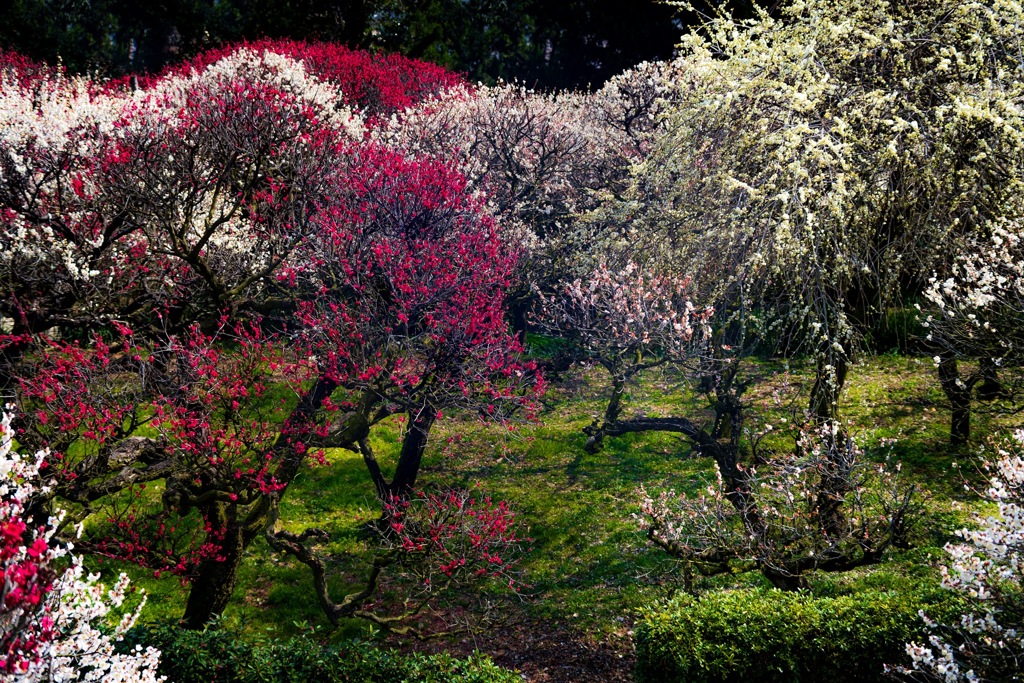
{"type": "Point", "coordinates": [215, 577]}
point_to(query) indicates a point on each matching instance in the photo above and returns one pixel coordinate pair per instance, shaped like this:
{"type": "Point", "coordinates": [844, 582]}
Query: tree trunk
{"type": "Point", "coordinates": [413, 446]}
{"type": "Point", "coordinates": [828, 385]}
{"type": "Point", "coordinates": [520, 303]}
{"type": "Point", "coordinates": [611, 417]}
{"type": "Point", "coordinates": [215, 578]}
{"type": "Point", "coordinates": [831, 491]}
{"type": "Point", "coordinates": [959, 394]}
{"type": "Point", "coordinates": [991, 388]}
{"type": "Point", "coordinates": [380, 484]}
{"type": "Point", "coordinates": [214, 582]}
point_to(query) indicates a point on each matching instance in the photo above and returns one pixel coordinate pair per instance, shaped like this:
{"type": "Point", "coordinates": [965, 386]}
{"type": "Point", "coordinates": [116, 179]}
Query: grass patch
{"type": "Point", "coordinates": [591, 567]}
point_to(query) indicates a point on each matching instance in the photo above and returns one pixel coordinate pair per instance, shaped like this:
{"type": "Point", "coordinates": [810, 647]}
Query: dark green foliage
{"type": "Point", "coordinates": [114, 37]}
{"type": "Point", "coordinates": [221, 656]}
{"type": "Point", "coordinates": [574, 43]}
{"type": "Point", "coordinates": [767, 635]}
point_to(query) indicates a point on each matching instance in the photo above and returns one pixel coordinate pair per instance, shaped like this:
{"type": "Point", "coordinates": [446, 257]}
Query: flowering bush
{"type": "Point", "coordinates": [987, 567]}
{"type": "Point", "coordinates": [52, 621]}
{"type": "Point", "coordinates": [821, 507]}
{"type": "Point", "coordinates": [462, 537]}
{"type": "Point", "coordinates": [439, 551]}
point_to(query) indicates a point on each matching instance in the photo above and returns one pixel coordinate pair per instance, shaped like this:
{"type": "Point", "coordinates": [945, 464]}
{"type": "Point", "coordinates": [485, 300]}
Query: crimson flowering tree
{"type": "Point", "coordinates": [165, 210]}
{"type": "Point", "coordinates": [418, 326]}
{"type": "Point", "coordinates": [376, 85]}
{"type": "Point", "coordinates": [225, 254]}
{"type": "Point", "coordinates": [437, 547]}
{"type": "Point", "coordinates": [201, 421]}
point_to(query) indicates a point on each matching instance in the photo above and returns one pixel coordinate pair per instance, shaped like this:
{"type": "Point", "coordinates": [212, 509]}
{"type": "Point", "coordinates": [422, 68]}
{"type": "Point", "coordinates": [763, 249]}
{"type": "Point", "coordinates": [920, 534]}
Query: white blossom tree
{"type": "Point", "coordinates": [815, 166]}
{"type": "Point", "coordinates": [978, 315]}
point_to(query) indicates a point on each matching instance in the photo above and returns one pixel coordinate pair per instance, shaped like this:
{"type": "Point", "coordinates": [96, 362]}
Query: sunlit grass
{"type": "Point", "coordinates": [590, 565]}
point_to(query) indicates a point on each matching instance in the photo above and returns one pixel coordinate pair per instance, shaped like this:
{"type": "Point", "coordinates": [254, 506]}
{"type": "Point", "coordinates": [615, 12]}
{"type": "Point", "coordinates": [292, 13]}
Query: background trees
{"type": "Point", "coordinates": [576, 44]}
{"type": "Point", "coordinates": [214, 274]}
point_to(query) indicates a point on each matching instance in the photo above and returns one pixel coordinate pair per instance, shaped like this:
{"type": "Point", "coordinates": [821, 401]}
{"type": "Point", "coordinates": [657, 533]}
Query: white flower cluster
{"type": "Point", "coordinates": [981, 304]}
{"type": "Point", "coordinates": [50, 131]}
{"type": "Point", "coordinates": [267, 68]}
{"type": "Point", "coordinates": [78, 647]}
{"type": "Point", "coordinates": [50, 112]}
{"type": "Point", "coordinates": [988, 567]}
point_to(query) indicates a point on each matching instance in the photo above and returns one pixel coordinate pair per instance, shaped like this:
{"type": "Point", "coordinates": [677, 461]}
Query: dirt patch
{"type": "Point", "coordinates": [548, 653]}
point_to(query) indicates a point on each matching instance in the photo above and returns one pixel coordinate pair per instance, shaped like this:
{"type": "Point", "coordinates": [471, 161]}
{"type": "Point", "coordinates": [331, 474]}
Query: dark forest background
{"type": "Point", "coordinates": [561, 44]}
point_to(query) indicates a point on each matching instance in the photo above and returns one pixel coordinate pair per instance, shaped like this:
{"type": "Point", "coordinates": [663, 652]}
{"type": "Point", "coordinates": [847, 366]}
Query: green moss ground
{"type": "Point", "coordinates": [591, 567]}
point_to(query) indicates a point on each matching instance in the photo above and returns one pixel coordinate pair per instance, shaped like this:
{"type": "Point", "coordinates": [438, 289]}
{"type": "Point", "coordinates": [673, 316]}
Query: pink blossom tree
{"type": "Point", "coordinates": [627, 321]}
{"type": "Point", "coordinates": [418, 326]}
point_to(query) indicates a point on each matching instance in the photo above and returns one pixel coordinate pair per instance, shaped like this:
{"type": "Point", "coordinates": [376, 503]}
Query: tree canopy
{"type": "Point", "coordinates": [574, 44]}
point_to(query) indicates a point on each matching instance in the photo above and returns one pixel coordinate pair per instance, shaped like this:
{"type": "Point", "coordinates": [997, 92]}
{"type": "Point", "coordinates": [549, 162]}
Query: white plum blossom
{"type": "Point", "coordinates": [987, 566]}
{"type": "Point", "coordinates": [981, 304]}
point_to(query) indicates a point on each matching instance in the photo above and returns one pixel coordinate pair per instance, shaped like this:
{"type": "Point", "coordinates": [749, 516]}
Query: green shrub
{"type": "Point", "coordinates": [221, 656]}
{"type": "Point", "coordinates": [768, 635]}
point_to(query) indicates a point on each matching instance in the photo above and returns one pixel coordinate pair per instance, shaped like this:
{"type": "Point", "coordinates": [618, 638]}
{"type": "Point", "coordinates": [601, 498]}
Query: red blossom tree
{"type": "Point", "coordinates": [418, 326]}
{"type": "Point", "coordinates": [237, 280]}
{"type": "Point", "coordinates": [376, 84]}
{"type": "Point", "coordinates": [437, 547]}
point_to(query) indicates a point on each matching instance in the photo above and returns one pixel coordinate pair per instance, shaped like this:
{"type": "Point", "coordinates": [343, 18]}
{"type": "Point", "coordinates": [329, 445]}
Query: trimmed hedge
{"type": "Point", "coordinates": [220, 656]}
{"type": "Point", "coordinates": [769, 635]}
